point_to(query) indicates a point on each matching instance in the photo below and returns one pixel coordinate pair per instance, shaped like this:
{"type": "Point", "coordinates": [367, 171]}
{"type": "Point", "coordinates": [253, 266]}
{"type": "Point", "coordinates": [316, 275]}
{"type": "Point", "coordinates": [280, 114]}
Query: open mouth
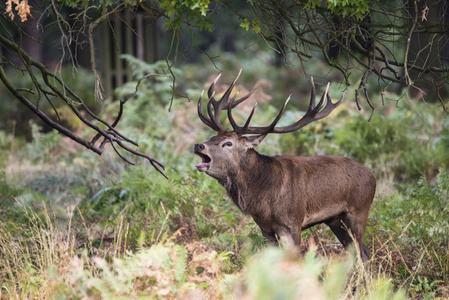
{"type": "Point", "coordinates": [205, 160]}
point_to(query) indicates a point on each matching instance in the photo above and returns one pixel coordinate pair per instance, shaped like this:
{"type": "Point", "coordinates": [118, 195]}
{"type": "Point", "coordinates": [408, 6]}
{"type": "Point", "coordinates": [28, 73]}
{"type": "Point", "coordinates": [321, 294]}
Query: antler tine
{"type": "Point", "coordinates": [245, 127]}
{"type": "Point", "coordinates": [257, 130]}
{"type": "Point", "coordinates": [237, 128]}
{"type": "Point", "coordinates": [238, 101]}
{"type": "Point", "coordinates": [218, 105]}
{"type": "Point", "coordinates": [312, 106]}
{"type": "Point", "coordinates": [324, 97]}
{"type": "Point", "coordinates": [211, 91]}
{"type": "Point", "coordinates": [234, 102]}
{"type": "Point", "coordinates": [223, 103]}
{"type": "Point", "coordinates": [312, 95]}
{"type": "Point", "coordinates": [203, 118]}
{"type": "Point", "coordinates": [313, 113]}
{"type": "Point", "coordinates": [215, 115]}
{"type": "Point", "coordinates": [231, 118]}
{"type": "Point", "coordinates": [330, 106]}
{"type": "Point", "coordinates": [278, 117]}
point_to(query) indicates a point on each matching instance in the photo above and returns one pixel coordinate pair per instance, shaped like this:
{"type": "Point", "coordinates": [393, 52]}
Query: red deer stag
{"type": "Point", "coordinates": [286, 194]}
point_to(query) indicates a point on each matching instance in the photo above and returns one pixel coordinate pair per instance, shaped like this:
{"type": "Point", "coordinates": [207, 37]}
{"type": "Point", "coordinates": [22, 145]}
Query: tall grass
{"type": "Point", "coordinates": [32, 254]}
{"type": "Point", "coordinates": [45, 261]}
{"type": "Point", "coordinates": [129, 233]}
{"type": "Point", "coordinates": [42, 258]}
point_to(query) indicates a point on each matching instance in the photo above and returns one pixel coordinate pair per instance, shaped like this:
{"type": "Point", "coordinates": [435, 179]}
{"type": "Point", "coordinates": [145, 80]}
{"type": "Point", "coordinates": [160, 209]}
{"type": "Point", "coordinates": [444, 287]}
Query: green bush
{"type": "Point", "coordinates": [429, 206]}
{"type": "Point", "coordinates": [417, 221]}
{"type": "Point", "coordinates": [388, 144]}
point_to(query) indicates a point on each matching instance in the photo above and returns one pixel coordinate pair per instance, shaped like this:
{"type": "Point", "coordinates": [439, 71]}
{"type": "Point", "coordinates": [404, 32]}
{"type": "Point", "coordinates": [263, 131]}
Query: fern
{"type": "Point", "coordinates": [443, 186]}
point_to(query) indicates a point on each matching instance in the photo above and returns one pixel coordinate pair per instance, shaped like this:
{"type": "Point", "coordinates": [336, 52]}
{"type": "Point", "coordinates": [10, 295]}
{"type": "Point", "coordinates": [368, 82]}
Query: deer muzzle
{"type": "Point", "coordinates": [204, 164]}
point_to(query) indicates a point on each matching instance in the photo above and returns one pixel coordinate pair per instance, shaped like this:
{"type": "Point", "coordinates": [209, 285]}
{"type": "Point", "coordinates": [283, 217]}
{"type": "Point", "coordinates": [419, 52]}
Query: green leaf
{"type": "Point", "coordinates": [245, 24]}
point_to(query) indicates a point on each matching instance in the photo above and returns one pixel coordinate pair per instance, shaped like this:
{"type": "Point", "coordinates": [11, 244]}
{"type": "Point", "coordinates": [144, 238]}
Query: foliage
{"type": "Point", "coordinates": [382, 145]}
{"type": "Point", "coordinates": [417, 220]}
{"type": "Point", "coordinates": [309, 30]}
{"type": "Point", "coordinates": [17, 118]}
{"type": "Point", "coordinates": [48, 85]}
{"type": "Point", "coordinates": [151, 86]}
{"type": "Point", "coordinates": [159, 271]}
{"type": "Point", "coordinates": [276, 274]}
{"type": "Point", "coordinates": [198, 11]}
{"type": "Point", "coordinates": [383, 142]}
{"type": "Point", "coordinates": [180, 11]}
{"type": "Point", "coordinates": [76, 225]}
{"type": "Point", "coordinates": [298, 31]}
{"type": "Point", "coordinates": [430, 205]}
{"type": "Point", "coordinates": [165, 269]}
{"type": "Point", "coordinates": [346, 8]}
{"type": "Point", "coordinates": [43, 146]}
{"type": "Point", "coordinates": [358, 39]}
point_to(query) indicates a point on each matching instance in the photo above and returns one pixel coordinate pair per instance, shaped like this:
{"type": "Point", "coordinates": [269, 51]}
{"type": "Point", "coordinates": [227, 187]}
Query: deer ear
{"type": "Point", "coordinates": [254, 141]}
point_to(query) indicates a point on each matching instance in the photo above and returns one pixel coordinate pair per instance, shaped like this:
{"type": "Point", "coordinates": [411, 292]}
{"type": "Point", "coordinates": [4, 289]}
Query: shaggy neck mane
{"type": "Point", "coordinates": [256, 173]}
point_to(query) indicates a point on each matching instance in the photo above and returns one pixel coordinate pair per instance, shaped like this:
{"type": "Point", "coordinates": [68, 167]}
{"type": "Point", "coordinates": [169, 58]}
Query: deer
{"type": "Point", "coordinates": [286, 194]}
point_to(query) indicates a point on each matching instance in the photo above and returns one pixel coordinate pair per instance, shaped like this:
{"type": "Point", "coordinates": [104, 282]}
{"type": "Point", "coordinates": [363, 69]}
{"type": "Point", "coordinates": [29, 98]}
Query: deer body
{"type": "Point", "coordinates": [286, 194]}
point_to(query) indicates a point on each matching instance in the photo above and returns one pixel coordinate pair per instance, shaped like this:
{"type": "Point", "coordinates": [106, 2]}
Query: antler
{"type": "Point", "coordinates": [314, 112]}
{"type": "Point", "coordinates": [213, 121]}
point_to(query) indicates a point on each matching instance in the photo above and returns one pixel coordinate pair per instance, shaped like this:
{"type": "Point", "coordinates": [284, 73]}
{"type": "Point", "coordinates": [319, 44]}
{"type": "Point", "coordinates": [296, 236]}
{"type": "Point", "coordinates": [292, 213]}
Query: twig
{"type": "Point", "coordinates": [362, 86]}
{"type": "Point", "coordinates": [408, 80]}
{"type": "Point", "coordinates": [99, 91]}
{"type": "Point", "coordinates": [43, 116]}
{"type": "Point", "coordinates": [111, 135]}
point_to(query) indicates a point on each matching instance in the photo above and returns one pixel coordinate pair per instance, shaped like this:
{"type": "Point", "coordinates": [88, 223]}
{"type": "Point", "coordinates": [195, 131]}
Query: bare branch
{"type": "Point", "coordinates": [408, 80]}
{"type": "Point", "coordinates": [382, 42]}
{"type": "Point", "coordinates": [48, 84]}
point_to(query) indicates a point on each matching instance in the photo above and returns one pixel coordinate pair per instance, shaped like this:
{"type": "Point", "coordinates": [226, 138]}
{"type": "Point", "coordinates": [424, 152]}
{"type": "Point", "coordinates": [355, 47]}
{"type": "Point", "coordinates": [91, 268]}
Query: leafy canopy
{"type": "Point", "coordinates": [346, 8]}
{"type": "Point", "coordinates": [178, 11]}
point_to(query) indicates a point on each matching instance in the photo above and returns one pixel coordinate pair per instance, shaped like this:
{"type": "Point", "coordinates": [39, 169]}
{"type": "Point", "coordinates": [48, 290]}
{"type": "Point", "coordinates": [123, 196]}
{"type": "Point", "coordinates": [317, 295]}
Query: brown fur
{"type": "Point", "coordinates": [286, 194]}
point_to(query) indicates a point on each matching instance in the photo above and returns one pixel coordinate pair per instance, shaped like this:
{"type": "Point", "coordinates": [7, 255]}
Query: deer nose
{"type": "Point", "coordinates": [199, 147]}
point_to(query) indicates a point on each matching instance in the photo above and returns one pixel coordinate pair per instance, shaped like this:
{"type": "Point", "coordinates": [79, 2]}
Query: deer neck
{"type": "Point", "coordinates": [244, 184]}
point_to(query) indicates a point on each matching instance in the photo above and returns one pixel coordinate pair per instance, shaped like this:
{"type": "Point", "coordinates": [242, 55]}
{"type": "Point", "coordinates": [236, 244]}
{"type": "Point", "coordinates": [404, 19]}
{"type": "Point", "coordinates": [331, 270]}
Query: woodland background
{"type": "Point", "coordinates": [77, 225]}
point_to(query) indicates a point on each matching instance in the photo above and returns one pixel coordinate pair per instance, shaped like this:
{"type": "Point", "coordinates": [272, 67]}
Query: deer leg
{"type": "Point", "coordinates": [340, 227]}
{"type": "Point", "coordinates": [340, 231]}
{"type": "Point", "coordinates": [357, 224]}
{"type": "Point", "coordinates": [285, 238]}
{"type": "Point", "coordinates": [289, 237]}
{"type": "Point", "coordinates": [271, 237]}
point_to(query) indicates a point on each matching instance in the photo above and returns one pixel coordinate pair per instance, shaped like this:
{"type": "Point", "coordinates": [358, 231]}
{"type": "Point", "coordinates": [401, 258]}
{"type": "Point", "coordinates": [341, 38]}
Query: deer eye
{"type": "Point", "coordinates": [227, 144]}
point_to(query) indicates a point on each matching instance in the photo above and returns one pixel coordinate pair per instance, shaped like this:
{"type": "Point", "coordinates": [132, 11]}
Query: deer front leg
{"type": "Point", "coordinates": [277, 234]}
{"type": "Point", "coordinates": [271, 237]}
{"type": "Point", "coordinates": [289, 237]}
{"type": "Point", "coordinates": [285, 239]}
{"type": "Point", "coordinates": [267, 232]}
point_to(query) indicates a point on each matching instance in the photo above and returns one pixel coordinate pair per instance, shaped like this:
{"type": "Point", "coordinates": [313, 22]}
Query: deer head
{"type": "Point", "coordinates": [227, 151]}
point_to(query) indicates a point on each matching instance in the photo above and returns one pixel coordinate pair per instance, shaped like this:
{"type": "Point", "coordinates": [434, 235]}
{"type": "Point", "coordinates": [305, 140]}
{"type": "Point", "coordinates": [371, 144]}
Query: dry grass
{"type": "Point", "coordinates": [46, 257]}
{"type": "Point", "coordinates": [44, 260]}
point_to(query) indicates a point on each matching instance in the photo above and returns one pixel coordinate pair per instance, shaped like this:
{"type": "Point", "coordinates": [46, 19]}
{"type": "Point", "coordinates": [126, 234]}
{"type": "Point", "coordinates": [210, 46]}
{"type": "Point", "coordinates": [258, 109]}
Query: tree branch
{"type": "Point", "coordinates": [54, 86]}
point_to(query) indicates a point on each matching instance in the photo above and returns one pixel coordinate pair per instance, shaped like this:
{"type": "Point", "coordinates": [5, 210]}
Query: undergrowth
{"type": "Point", "coordinates": [74, 225]}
